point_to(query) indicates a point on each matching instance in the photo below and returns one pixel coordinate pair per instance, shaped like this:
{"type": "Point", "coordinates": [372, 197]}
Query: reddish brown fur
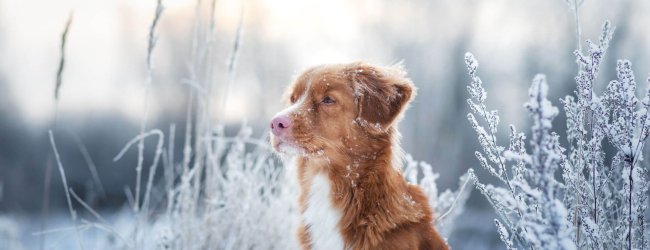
{"type": "Point", "coordinates": [353, 142]}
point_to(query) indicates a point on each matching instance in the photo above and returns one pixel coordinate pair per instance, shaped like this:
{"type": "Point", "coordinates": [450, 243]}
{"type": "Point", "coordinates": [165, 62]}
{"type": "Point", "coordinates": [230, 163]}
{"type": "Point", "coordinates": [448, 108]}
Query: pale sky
{"type": "Point", "coordinates": [105, 68]}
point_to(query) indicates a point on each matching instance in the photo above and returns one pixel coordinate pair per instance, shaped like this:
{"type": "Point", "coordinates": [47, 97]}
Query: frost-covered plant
{"type": "Point", "coordinates": [447, 205]}
{"type": "Point", "coordinates": [530, 205]}
{"type": "Point", "coordinates": [245, 201]}
{"type": "Point", "coordinates": [226, 192]}
{"type": "Point", "coordinates": [593, 205]}
{"type": "Point", "coordinates": [609, 200]}
{"type": "Point", "coordinates": [9, 233]}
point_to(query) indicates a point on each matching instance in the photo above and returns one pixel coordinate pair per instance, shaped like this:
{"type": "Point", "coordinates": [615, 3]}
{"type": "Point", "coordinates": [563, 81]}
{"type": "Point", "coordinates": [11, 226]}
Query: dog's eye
{"type": "Point", "coordinates": [328, 100]}
{"type": "Point", "coordinates": [292, 99]}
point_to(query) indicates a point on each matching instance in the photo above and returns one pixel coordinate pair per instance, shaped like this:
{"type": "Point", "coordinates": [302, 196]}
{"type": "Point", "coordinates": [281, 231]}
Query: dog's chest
{"type": "Point", "coordinates": [321, 217]}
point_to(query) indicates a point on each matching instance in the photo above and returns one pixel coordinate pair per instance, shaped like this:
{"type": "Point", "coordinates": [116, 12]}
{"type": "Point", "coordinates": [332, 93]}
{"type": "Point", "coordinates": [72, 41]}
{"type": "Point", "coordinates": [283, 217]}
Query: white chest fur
{"type": "Point", "coordinates": [322, 217]}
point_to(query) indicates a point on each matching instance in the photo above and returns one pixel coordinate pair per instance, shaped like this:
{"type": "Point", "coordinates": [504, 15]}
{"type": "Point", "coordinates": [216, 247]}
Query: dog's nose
{"type": "Point", "coordinates": [279, 124]}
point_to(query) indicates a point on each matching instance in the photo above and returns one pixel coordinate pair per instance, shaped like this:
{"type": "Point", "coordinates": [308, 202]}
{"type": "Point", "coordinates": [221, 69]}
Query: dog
{"type": "Point", "coordinates": [340, 124]}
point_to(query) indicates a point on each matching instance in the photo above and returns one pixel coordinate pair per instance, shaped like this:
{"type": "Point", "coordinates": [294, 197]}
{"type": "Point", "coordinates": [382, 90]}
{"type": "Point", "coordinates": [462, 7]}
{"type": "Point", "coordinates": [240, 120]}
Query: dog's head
{"type": "Point", "coordinates": [340, 108]}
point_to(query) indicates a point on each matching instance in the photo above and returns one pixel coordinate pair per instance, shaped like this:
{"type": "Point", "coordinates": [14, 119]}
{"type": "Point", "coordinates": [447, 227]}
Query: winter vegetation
{"type": "Point", "coordinates": [588, 192]}
{"type": "Point", "coordinates": [226, 192]}
{"type": "Point", "coordinates": [174, 153]}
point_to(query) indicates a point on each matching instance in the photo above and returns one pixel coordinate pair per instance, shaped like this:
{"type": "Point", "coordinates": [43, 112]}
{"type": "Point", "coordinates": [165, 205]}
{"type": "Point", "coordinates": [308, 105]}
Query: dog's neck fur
{"type": "Point", "coordinates": [365, 188]}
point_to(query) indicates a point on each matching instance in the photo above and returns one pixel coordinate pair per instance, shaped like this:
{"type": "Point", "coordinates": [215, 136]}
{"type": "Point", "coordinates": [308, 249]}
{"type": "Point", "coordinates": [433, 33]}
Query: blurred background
{"type": "Point", "coordinates": [101, 98]}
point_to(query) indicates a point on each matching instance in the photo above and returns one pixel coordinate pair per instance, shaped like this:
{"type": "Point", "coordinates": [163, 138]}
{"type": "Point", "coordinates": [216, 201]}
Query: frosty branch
{"type": "Point", "coordinates": [598, 201]}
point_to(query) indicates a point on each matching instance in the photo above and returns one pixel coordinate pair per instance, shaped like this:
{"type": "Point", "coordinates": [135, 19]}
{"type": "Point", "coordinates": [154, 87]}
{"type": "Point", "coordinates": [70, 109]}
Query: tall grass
{"type": "Point", "coordinates": [48, 165]}
{"type": "Point", "coordinates": [226, 191]}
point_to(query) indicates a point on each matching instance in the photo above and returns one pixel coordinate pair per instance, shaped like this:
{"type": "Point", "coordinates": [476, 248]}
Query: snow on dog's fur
{"type": "Point", "coordinates": [341, 127]}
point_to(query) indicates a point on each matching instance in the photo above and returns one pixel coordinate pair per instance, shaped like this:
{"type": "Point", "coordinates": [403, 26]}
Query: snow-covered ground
{"type": "Point", "coordinates": [473, 230]}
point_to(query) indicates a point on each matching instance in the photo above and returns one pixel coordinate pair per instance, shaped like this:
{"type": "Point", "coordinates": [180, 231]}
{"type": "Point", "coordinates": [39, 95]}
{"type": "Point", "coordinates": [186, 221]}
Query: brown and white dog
{"type": "Point", "coordinates": [341, 126]}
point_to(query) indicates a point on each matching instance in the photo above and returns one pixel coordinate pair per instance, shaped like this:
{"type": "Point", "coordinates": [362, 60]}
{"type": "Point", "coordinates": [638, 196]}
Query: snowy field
{"type": "Point", "coordinates": [144, 125]}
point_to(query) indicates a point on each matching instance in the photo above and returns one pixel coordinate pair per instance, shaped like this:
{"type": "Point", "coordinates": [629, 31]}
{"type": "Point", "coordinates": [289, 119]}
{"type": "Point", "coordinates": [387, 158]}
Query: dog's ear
{"type": "Point", "coordinates": [381, 93]}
